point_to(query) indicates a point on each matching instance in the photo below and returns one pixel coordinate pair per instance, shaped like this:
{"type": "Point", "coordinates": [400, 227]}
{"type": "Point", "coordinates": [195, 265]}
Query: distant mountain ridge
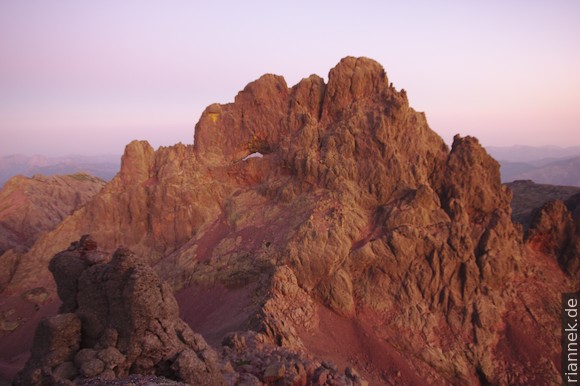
{"type": "Point", "coordinates": [544, 165]}
{"type": "Point", "coordinates": [102, 166]}
{"type": "Point", "coordinates": [532, 154]}
{"type": "Point", "coordinates": [562, 172]}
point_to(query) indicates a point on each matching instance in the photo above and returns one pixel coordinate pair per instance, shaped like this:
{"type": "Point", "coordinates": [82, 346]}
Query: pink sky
{"type": "Point", "coordinates": [88, 77]}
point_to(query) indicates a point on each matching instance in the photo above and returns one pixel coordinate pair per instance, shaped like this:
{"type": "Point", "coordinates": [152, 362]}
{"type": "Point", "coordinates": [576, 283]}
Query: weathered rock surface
{"type": "Point", "coordinates": [257, 360]}
{"type": "Point", "coordinates": [358, 237]}
{"type": "Point", "coordinates": [118, 319]}
{"type": "Point", "coordinates": [529, 196]}
{"type": "Point", "coordinates": [555, 231]}
{"type": "Point", "coordinates": [30, 207]}
{"type": "Point", "coordinates": [33, 206]}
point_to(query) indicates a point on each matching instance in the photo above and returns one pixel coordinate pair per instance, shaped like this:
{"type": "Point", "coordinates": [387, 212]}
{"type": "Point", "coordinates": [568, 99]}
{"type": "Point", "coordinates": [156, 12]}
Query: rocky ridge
{"type": "Point", "coordinates": [117, 318]}
{"type": "Point", "coordinates": [357, 218]}
{"type": "Point", "coordinates": [102, 166]}
{"type": "Point", "coordinates": [33, 206]}
{"type": "Point", "coordinates": [549, 215]}
{"type": "Point", "coordinates": [555, 231]}
{"type": "Point", "coordinates": [529, 196]}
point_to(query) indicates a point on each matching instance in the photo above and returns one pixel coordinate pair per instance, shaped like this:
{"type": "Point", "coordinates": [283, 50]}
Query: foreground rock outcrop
{"type": "Point", "coordinates": [358, 243]}
{"type": "Point", "coordinates": [117, 318]}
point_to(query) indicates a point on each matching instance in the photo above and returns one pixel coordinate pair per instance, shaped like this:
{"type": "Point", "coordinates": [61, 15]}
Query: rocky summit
{"type": "Point", "coordinates": [320, 234]}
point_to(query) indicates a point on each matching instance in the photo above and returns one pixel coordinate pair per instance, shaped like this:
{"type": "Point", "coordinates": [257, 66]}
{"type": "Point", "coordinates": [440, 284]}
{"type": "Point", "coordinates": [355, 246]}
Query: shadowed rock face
{"type": "Point", "coordinates": [550, 216]}
{"type": "Point", "coordinates": [357, 225]}
{"type": "Point", "coordinates": [529, 196]}
{"type": "Point", "coordinates": [555, 231]}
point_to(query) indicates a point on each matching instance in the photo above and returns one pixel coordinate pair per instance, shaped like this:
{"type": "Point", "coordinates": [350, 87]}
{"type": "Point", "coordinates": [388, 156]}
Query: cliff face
{"type": "Point", "coordinates": [356, 218]}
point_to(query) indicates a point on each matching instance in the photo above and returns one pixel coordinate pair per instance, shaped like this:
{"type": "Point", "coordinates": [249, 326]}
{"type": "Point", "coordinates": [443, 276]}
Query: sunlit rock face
{"type": "Point", "coordinates": [358, 239]}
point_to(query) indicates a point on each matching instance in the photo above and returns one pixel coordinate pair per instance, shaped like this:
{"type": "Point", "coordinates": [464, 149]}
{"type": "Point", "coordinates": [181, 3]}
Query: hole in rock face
{"type": "Point", "coordinates": [256, 154]}
{"type": "Point", "coordinates": [258, 143]}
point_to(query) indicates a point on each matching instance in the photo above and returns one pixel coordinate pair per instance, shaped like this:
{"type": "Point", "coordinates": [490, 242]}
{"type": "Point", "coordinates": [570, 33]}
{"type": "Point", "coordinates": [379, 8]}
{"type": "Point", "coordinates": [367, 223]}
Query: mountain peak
{"type": "Point", "coordinates": [357, 220]}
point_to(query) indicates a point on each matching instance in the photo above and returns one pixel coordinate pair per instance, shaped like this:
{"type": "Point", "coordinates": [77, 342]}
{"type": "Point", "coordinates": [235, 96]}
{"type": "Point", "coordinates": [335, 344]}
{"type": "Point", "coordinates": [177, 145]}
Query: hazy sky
{"type": "Point", "coordinates": [87, 77]}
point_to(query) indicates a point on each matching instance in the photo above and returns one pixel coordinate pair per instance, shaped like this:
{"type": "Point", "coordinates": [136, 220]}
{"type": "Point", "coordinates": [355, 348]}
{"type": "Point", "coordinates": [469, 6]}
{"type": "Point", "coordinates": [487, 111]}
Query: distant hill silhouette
{"type": "Point", "coordinates": [544, 165]}
{"type": "Point", "coordinates": [102, 166]}
{"type": "Point", "coordinates": [535, 155]}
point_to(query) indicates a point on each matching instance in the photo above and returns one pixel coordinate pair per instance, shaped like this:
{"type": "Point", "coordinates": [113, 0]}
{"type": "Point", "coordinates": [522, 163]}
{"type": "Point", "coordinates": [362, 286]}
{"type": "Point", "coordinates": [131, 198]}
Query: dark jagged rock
{"type": "Point", "coordinates": [555, 232]}
{"type": "Point", "coordinates": [529, 196]}
{"type": "Point", "coordinates": [120, 319]}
